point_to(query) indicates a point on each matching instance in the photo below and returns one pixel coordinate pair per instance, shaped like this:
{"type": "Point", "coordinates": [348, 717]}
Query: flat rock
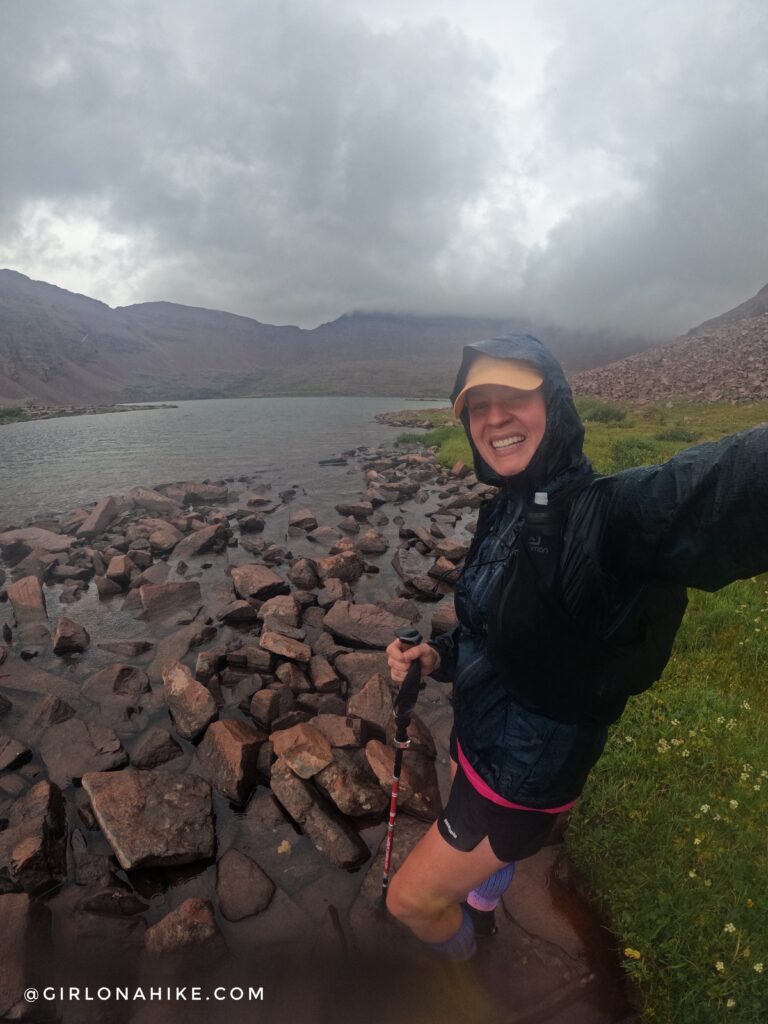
{"type": "Point", "coordinates": [304, 749]}
{"type": "Point", "coordinates": [17, 544]}
{"type": "Point", "coordinates": [17, 674]}
{"type": "Point", "coordinates": [72, 748]}
{"type": "Point", "coordinates": [227, 757]}
{"type": "Point", "coordinates": [126, 648]}
{"type": "Point", "coordinates": [33, 852]}
{"type": "Point", "coordinates": [285, 647]}
{"type": "Point", "coordinates": [373, 702]}
{"type": "Point", "coordinates": [303, 518]}
{"type": "Point", "coordinates": [156, 573]}
{"type": "Point", "coordinates": [362, 625]}
{"type": "Point", "coordinates": [46, 711]}
{"type": "Point", "coordinates": [117, 678]}
{"type": "Point", "coordinates": [191, 704]}
{"type": "Point", "coordinates": [102, 515]}
{"type": "Point", "coordinates": [359, 510]}
{"type": "Point", "coordinates": [340, 730]}
{"type": "Point", "coordinates": [26, 596]}
{"type": "Point", "coordinates": [69, 637]}
{"type": "Point", "coordinates": [162, 600]}
{"type": "Point", "coordinates": [243, 889]}
{"type": "Point", "coordinates": [153, 818]}
{"type": "Point", "coordinates": [282, 610]}
{"type": "Point", "coordinates": [199, 541]}
{"type": "Point", "coordinates": [358, 667]}
{"type": "Point", "coordinates": [257, 581]}
{"type": "Point", "coordinates": [164, 538]}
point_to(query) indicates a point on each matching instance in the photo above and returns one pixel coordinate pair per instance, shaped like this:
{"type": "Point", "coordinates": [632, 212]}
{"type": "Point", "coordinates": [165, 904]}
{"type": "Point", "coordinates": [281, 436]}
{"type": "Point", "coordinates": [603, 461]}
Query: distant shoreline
{"type": "Point", "coordinates": [16, 414]}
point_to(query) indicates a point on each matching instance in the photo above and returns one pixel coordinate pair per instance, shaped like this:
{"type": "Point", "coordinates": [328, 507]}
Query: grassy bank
{"type": "Point", "coordinates": [670, 837]}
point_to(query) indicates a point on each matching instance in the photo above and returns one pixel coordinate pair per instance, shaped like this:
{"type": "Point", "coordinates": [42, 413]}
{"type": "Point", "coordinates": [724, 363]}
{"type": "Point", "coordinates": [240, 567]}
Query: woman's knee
{"type": "Point", "coordinates": [407, 903]}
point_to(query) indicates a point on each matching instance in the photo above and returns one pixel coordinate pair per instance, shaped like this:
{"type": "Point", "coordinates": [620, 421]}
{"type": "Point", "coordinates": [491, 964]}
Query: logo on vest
{"type": "Point", "coordinates": [534, 543]}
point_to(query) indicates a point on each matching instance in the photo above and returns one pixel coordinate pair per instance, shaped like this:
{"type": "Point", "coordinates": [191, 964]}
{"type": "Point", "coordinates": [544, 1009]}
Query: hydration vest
{"type": "Point", "coordinates": [552, 663]}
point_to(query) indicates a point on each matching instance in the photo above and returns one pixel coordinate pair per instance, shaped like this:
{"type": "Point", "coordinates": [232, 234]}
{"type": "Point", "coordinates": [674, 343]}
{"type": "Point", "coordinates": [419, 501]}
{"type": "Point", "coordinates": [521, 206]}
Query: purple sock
{"type": "Point", "coordinates": [460, 946]}
{"type": "Point", "coordinates": [487, 895]}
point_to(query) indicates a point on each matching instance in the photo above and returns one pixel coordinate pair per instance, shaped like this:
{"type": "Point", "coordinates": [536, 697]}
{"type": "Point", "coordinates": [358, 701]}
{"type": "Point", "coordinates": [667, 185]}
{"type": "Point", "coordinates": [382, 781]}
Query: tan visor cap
{"type": "Point", "coordinates": [509, 373]}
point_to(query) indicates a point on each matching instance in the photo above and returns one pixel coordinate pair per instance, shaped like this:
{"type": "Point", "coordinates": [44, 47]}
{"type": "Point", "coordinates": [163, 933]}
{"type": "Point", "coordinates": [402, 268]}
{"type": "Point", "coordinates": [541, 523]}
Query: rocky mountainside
{"type": "Point", "coordinates": [722, 359]}
{"type": "Point", "coordinates": [59, 348]}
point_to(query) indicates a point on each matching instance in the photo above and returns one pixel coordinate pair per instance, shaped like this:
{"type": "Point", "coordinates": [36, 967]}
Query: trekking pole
{"type": "Point", "coordinates": [405, 702]}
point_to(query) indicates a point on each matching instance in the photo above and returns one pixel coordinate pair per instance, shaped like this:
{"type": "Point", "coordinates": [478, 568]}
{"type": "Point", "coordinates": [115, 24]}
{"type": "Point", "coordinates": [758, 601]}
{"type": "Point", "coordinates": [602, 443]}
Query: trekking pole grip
{"type": "Point", "coordinates": [408, 694]}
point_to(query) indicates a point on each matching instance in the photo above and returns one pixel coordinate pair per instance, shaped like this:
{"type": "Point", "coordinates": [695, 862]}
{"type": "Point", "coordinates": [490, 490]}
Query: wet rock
{"type": "Point", "coordinates": [117, 678]}
{"type": "Point", "coordinates": [33, 854]}
{"type": "Point", "coordinates": [349, 783]}
{"type": "Point", "coordinates": [340, 730]}
{"type": "Point", "coordinates": [69, 637]}
{"type": "Point", "coordinates": [303, 748]}
{"type": "Point", "coordinates": [280, 611]}
{"type": "Point", "coordinates": [373, 703]}
{"type": "Point", "coordinates": [153, 501]}
{"type": "Point", "coordinates": [303, 518]}
{"type": "Point", "coordinates": [303, 574]}
{"type": "Point", "coordinates": [358, 510]}
{"type": "Point", "coordinates": [164, 538]}
{"type": "Point", "coordinates": [190, 703]}
{"type": "Point", "coordinates": [333, 591]}
{"type": "Point", "coordinates": [419, 791]}
{"type": "Point", "coordinates": [155, 747]}
{"type": "Point", "coordinates": [17, 544]}
{"type": "Point", "coordinates": [119, 570]}
{"type": "Point", "coordinates": [163, 600]}
{"type": "Point", "coordinates": [20, 675]}
{"type": "Point", "coordinates": [445, 571]}
{"type": "Point", "coordinates": [239, 613]}
{"type": "Point", "coordinates": [153, 818]}
{"type": "Point", "coordinates": [208, 664]}
{"type": "Point", "coordinates": [192, 492]}
{"type": "Point", "coordinates": [174, 647]}
{"type": "Point", "coordinates": [12, 753]}
{"type": "Point", "coordinates": [126, 648]}
{"type": "Point", "coordinates": [341, 844]}
{"type": "Point", "coordinates": [323, 676]}
{"type": "Point", "coordinates": [243, 889]}
{"type": "Point", "coordinates": [190, 926]}
{"type": "Point", "coordinates": [25, 933]}
{"type": "Point", "coordinates": [452, 549]}
{"type": "Point", "coordinates": [358, 667]}
{"type": "Point", "coordinates": [403, 609]}
{"type": "Point", "coordinates": [227, 758]}
{"type": "Point", "coordinates": [157, 573]}
{"type": "Point", "coordinates": [371, 543]}
{"type": "Point", "coordinates": [72, 748]}
{"type": "Point", "coordinates": [362, 625]}
{"type": "Point", "coordinates": [105, 512]}
{"type": "Point", "coordinates": [257, 581]}
{"type": "Point", "coordinates": [200, 541]}
{"type": "Point", "coordinates": [105, 587]}
{"type": "Point", "coordinates": [347, 566]}
{"type": "Point", "coordinates": [46, 711]}
{"type": "Point", "coordinates": [26, 596]}
{"type": "Point", "coordinates": [349, 525]}
{"type": "Point", "coordinates": [285, 647]}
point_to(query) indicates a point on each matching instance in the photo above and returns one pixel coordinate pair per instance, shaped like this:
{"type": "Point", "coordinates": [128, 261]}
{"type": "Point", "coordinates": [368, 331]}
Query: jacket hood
{"type": "Point", "coordinates": [561, 449]}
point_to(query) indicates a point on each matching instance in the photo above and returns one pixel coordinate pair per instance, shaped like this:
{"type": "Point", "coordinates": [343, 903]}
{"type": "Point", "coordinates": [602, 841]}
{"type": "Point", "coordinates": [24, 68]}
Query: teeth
{"type": "Point", "coordinates": [507, 442]}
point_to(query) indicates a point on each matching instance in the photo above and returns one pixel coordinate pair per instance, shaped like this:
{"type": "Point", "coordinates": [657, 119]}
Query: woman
{"type": "Point", "coordinates": [571, 595]}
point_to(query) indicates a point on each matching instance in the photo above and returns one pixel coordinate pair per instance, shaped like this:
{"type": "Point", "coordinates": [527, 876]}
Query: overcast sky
{"type": "Point", "coordinates": [593, 163]}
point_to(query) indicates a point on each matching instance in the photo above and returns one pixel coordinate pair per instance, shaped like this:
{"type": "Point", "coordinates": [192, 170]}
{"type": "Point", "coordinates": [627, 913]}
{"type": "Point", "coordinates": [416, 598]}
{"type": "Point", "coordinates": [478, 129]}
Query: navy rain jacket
{"type": "Point", "coordinates": [699, 520]}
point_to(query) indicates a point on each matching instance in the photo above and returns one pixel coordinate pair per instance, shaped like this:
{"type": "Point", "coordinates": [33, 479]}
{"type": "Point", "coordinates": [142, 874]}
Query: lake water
{"type": "Point", "coordinates": [48, 467]}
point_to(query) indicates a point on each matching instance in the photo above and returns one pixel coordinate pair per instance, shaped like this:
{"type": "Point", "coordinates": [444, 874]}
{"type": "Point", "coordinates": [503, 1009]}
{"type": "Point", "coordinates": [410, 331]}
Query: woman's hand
{"type": "Point", "coordinates": [400, 658]}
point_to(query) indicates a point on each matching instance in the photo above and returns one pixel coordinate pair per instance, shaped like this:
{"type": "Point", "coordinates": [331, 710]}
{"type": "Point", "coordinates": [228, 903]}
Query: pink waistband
{"type": "Point", "coordinates": [485, 790]}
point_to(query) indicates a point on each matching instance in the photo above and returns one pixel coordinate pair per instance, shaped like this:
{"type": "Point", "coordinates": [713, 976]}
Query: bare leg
{"type": "Point", "coordinates": [426, 892]}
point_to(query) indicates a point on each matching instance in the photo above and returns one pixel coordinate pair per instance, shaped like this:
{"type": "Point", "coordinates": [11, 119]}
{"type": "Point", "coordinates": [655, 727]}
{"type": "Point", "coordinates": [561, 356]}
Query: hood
{"type": "Point", "coordinates": [561, 450]}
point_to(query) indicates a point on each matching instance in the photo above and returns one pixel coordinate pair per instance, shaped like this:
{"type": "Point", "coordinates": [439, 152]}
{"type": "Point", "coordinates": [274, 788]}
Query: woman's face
{"type": "Point", "coordinates": [506, 425]}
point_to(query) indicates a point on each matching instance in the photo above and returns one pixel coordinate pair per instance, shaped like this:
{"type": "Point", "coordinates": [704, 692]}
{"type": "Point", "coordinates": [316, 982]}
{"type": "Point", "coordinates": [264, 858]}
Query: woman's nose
{"type": "Point", "coordinates": [498, 412]}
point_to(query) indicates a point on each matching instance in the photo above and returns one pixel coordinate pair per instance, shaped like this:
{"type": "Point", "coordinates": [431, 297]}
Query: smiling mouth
{"type": "Point", "coordinates": [507, 442]}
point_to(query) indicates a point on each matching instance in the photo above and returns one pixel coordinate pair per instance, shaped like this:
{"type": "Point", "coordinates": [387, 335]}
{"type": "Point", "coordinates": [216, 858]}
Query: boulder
{"type": "Point", "coordinates": [333, 838]}
{"type": "Point", "coordinates": [117, 678]}
{"type": "Point", "coordinates": [265, 707]}
{"type": "Point", "coordinates": [371, 543]}
{"type": "Point", "coordinates": [243, 889]}
{"type": "Point", "coordinates": [257, 581]}
{"type": "Point", "coordinates": [173, 648]}
{"type": "Point", "coordinates": [164, 538]}
{"type": "Point", "coordinates": [33, 851]}
{"type": "Point", "coordinates": [362, 625]}
{"type": "Point", "coordinates": [357, 667]}
{"type": "Point", "coordinates": [452, 549]}
{"type": "Point", "coordinates": [303, 574]}
{"type": "Point", "coordinates": [359, 510]}
{"type": "Point", "coordinates": [126, 648]}
{"type": "Point", "coordinates": [28, 601]}
{"type": "Point", "coordinates": [153, 501]}
{"type": "Point", "coordinates": [289, 673]}
{"type": "Point", "coordinates": [45, 711]}
{"type": "Point", "coordinates": [191, 704]}
{"type": "Point", "coordinates": [200, 541]}
{"type": "Point", "coordinates": [102, 515]}
{"type": "Point", "coordinates": [280, 611]}
{"type": "Point", "coordinates": [419, 791]}
{"type": "Point", "coordinates": [155, 747]}
{"type": "Point", "coordinates": [119, 570]}
{"type": "Point", "coordinates": [23, 676]}
{"type": "Point", "coordinates": [340, 730]}
{"type": "Point", "coordinates": [192, 492]}
{"type": "Point", "coordinates": [156, 573]}
{"type": "Point", "coordinates": [304, 749]}
{"type": "Point", "coordinates": [153, 818]}
{"type": "Point", "coordinates": [285, 647]}
{"type": "Point", "coordinates": [303, 518]}
{"type": "Point", "coordinates": [347, 566]}
{"type": "Point", "coordinates": [444, 618]}
{"type": "Point", "coordinates": [191, 926]}
{"type": "Point", "coordinates": [349, 783]}
{"type": "Point", "coordinates": [227, 757]}
{"type": "Point", "coordinates": [17, 544]}
{"type": "Point", "coordinates": [323, 676]}
{"type": "Point", "coordinates": [373, 703]}
{"type": "Point", "coordinates": [69, 637]}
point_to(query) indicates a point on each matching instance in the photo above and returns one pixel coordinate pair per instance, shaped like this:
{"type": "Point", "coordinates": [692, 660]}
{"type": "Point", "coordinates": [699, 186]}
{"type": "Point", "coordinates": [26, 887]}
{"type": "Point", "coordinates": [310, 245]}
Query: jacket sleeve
{"type": "Point", "coordinates": [700, 519]}
{"type": "Point", "coordinates": [447, 646]}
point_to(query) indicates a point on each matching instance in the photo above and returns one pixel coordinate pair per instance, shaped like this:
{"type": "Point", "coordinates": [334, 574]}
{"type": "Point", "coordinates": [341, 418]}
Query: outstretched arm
{"type": "Point", "coordinates": [700, 519]}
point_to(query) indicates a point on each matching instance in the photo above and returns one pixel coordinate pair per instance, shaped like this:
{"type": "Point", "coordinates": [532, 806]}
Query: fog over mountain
{"type": "Point", "coordinates": [588, 164]}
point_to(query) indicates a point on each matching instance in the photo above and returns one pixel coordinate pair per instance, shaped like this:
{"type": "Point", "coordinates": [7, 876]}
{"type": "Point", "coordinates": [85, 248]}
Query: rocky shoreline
{"type": "Point", "coordinates": [235, 726]}
{"type": "Point", "coordinates": [34, 412]}
{"type": "Point", "coordinates": [414, 418]}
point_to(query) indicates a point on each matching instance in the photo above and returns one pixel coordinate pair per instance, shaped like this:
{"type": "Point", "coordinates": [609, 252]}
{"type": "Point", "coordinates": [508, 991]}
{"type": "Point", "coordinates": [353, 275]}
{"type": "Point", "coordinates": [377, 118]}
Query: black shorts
{"type": "Point", "coordinates": [468, 817]}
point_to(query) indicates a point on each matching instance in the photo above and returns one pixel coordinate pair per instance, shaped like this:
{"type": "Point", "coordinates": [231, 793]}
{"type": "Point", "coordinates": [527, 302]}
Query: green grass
{"type": "Point", "coordinates": [670, 838]}
{"type": "Point", "coordinates": [12, 414]}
